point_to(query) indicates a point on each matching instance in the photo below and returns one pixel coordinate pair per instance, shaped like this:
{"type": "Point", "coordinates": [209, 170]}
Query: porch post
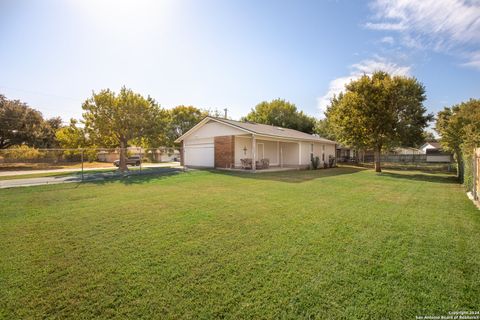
{"type": "Point", "coordinates": [278, 154]}
{"type": "Point", "coordinates": [254, 153]}
{"type": "Point", "coordinates": [299, 154]}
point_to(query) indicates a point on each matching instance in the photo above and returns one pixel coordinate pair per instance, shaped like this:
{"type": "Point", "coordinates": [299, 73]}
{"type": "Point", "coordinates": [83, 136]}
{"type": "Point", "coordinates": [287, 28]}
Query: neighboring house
{"type": "Point", "coordinates": [430, 145]}
{"type": "Point", "coordinates": [438, 155]}
{"type": "Point", "coordinates": [346, 154]}
{"type": "Point", "coordinates": [407, 151]}
{"type": "Point", "coordinates": [435, 153]}
{"type": "Point", "coordinates": [222, 143]}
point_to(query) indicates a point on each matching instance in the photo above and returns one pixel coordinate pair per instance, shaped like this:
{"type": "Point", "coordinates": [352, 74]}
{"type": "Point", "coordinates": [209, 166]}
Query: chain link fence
{"type": "Point", "coordinates": [475, 175]}
{"type": "Point", "coordinates": [25, 162]}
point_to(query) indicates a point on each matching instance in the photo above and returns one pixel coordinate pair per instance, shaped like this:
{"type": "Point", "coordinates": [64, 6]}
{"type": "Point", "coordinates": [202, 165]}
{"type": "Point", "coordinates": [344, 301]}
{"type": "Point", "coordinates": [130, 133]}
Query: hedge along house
{"type": "Point", "coordinates": [223, 143]}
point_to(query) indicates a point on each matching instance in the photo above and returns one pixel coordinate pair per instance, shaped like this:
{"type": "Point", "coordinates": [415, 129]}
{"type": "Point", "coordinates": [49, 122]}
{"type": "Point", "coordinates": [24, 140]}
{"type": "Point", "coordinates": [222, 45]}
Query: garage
{"type": "Point", "coordinates": [199, 155]}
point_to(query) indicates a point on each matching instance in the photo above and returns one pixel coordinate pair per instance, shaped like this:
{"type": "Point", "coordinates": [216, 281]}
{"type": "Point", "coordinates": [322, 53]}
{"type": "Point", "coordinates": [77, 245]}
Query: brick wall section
{"type": "Point", "coordinates": [224, 151]}
{"type": "Point", "coordinates": [182, 155]}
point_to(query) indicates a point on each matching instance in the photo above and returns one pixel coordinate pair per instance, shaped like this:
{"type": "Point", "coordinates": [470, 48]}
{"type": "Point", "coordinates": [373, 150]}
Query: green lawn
{"type": "Point", "coordinates": [336, 243]}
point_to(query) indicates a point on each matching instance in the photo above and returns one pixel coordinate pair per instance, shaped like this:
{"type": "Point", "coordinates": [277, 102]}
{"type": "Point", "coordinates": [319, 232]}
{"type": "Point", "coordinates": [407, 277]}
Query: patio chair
{"type": "Point", "coordinates": [265, 163]}
{"type": "Point", "coordinates": [246, 163]}
{"type": "Point", "coordinates": [262, 164]}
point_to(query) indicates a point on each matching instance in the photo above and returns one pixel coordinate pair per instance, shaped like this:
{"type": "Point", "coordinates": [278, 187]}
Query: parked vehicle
{"type": "Point", "coordinates": [132, 161]}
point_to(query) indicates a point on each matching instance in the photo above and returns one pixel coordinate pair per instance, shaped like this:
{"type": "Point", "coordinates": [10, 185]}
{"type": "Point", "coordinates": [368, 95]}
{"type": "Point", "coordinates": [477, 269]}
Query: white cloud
{"type": "Point", "coordinates": [450, 26]}
{"type": "Point", "coordinates": [357, 70]}
{"type": "Point", "coordinates": [388, 40]}
{"type": "Point", "coordinates": [385, 26]}
{"type": "Point", "coordinates": [473, 60]}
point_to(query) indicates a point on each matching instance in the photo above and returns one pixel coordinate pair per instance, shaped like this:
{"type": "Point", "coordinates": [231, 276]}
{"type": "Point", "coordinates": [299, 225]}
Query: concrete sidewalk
{"type": "Point", "coordinates": [88, 177]}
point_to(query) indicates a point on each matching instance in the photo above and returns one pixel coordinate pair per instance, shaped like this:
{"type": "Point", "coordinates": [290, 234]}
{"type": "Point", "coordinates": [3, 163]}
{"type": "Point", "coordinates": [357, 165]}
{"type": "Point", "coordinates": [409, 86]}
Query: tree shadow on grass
{"type": "Point", "coordinates": [133, 177]}
{"type": "Point", "coordinates": [426, 177]}
{"type": "Point", "coordinates": [292, 176]}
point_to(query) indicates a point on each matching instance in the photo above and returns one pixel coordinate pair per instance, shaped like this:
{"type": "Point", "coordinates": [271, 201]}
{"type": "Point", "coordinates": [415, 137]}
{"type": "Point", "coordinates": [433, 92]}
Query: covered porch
{"type": "Point", "coordinates": [254, 153]}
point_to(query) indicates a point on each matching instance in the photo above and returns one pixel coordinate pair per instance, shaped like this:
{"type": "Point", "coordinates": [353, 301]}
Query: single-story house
{"type": "Point", "coordinates": [430, 145]}
{"type": "Point", "coordinates": [223, 143]}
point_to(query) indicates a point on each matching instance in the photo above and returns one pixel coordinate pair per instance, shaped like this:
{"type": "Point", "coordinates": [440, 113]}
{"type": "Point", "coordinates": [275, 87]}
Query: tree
{"type": "Point", "coordinates": [459, 128]}
{"type": "Point", "coordinates": [74, 138]}
{"type": "Point", "coordinates": [281, 113]}
{"type": "Point", "coordinates": [323, 129]}
{"type": "Point", "coordinates": [19, 124]}
{"type": "Point", "coordinates": [71, 136]}
{"type": "Point", "coordinates": [114, 120]}
{"type": "Point", "coordinates": [181, 119]}
{"type": "Point", "coordinates": [47, 135]}
{"type": "Point", "coordinates": [379, 111]}
{"type": "Point", "coordinates": [428, 136]}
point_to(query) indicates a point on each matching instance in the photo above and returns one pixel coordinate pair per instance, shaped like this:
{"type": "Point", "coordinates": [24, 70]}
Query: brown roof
{"type": "Point", "coordinates": [269, 130]}
{"type": "Point", "coordinates": [435, 144]}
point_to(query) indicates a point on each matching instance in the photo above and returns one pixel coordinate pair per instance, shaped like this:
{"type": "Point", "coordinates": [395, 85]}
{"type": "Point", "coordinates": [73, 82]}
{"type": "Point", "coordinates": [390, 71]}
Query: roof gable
{"type": "Point", "coordinates": [260, 129]}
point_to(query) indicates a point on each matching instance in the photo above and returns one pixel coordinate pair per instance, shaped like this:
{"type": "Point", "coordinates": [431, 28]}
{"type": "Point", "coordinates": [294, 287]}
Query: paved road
{"type": "Point", "coordinates": [28, 182]}
{"type": "Point", "coordinates": [145, 165]}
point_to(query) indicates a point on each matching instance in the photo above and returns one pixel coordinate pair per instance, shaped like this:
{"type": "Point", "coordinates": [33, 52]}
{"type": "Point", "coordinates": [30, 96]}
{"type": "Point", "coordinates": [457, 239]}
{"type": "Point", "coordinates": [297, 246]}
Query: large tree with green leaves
{"type": "Point", "coordinates": [22, 125]}
{"type": "Point", "coordinates": [379, 111]}
{"type": "Point", "coordinates": [281, 113]}
{"type": "Point", "coordinates": [116, 119]}
{"type": "Point", "coordinates": [459, 129]}
{"type": "Point", "coordinates": [323, 129]}
{"type": "Point", "coordinates": [181, 119]}
{"type": "Point", "coordinates": [72, 136]}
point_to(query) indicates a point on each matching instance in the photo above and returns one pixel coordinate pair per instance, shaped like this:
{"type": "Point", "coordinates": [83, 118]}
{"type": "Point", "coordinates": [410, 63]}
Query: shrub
{"type": "Point", "coordinates": [315, 162]}
{"type": "Point", "coordinates": [23, 152]}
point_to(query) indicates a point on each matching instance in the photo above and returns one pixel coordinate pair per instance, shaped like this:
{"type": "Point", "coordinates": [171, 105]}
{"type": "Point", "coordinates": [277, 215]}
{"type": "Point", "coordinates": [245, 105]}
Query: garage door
{"type": "Point", "coordinates": [201, 155]}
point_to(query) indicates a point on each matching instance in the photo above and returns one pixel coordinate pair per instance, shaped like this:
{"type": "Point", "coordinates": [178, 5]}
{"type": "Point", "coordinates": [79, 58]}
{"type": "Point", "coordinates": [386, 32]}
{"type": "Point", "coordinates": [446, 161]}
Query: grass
{"type": "Point", "coordinates": [337, 243]}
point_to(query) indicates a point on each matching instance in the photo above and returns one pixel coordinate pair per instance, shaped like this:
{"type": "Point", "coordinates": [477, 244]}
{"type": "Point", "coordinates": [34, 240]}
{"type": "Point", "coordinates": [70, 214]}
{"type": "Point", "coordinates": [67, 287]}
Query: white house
{"type": "Point", "coordinates": [430, 145]}
{"type": "Point", "coordinates": [222, 143]}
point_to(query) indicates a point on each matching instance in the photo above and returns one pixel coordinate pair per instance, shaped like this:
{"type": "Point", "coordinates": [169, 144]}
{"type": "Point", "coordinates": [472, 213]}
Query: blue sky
{"type": "Point", "coordinates": [234, 54]}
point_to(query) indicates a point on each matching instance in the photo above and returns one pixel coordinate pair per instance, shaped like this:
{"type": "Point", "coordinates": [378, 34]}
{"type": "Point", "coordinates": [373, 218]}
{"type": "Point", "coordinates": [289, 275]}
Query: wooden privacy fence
{"type": "Point", "coordinates": [476, 174]}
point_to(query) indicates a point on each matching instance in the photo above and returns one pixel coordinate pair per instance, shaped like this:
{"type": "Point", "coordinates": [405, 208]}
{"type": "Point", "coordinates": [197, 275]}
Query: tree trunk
{"type": "Point", "coordinates": [460, 169]}
{"type": "Point", "coordinates": [123, 165]}
{"type": "Point", "coordinates": [378, 167]}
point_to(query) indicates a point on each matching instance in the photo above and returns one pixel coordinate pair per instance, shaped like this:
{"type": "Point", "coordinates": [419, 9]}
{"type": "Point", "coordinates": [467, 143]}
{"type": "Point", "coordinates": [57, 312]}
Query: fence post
{"type": "Point", "coordinates": [82, 163]}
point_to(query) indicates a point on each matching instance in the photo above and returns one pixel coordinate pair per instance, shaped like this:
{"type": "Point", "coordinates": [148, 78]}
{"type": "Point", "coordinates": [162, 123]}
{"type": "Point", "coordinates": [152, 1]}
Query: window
{"type": "Point", "coordinates": [323, 156]}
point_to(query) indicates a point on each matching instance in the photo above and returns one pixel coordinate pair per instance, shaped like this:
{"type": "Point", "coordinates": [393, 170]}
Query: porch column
{"type": "Point", "coordinates": [299, 154]}
{"type": "Point", "coordinates": [279, 160]}
{"type": "Point", "coordinates": [254, 153]}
